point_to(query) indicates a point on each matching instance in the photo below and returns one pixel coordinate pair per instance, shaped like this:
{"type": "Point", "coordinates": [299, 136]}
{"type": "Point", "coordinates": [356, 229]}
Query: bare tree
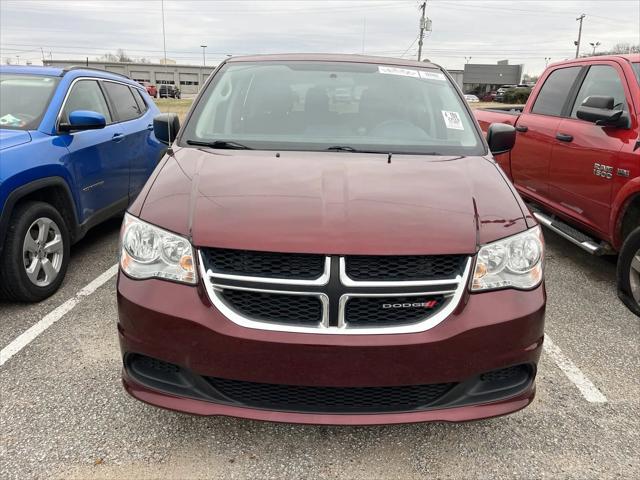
{"type": "Point", "coordinates": [618, 48]}
{"type": "Point", "coordinates": [120, 56]}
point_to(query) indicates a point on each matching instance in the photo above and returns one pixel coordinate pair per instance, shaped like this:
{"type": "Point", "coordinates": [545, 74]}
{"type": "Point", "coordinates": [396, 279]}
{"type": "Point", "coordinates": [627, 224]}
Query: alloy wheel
{"type": "Point", "coordinates": [42, 252]}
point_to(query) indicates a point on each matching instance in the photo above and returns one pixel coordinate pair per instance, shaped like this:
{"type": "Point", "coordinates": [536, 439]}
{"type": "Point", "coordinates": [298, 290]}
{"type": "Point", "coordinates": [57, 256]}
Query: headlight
{"type": "Point", "coordinates": [147, 251]}
{"type": "Point", "coordinates": [515, 262]}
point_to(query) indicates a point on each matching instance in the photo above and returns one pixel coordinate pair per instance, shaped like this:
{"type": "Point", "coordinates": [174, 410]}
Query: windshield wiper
{"type": "Point", "coordinates": [228, 144]}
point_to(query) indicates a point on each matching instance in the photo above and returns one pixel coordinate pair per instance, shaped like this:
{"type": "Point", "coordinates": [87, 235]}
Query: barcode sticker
{"type": "Point", "coordinates": [405, 72]}
{"type": "Point", "coordinates": [432, 75]}
{"type": "Point", "coordinates": [452, 120]}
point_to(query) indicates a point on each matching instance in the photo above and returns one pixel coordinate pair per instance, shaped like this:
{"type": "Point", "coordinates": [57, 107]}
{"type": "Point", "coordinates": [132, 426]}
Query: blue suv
{"type": "Point", "coordinates": [76, 147]}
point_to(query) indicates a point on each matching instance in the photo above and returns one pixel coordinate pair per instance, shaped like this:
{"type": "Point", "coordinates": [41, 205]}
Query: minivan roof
{"type": "Point", "coordinates": [332, 57]}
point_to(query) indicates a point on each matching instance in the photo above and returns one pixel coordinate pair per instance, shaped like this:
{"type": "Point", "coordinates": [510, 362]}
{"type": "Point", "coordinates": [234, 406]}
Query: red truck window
{"type": "Point", "coordinates": [555, 91]}
{"type": "Point", "coordinates": [601, 80]}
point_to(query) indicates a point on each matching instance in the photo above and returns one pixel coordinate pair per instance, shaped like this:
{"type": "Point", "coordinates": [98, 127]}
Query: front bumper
{"type": "Point", "coordinates": [177, 324]}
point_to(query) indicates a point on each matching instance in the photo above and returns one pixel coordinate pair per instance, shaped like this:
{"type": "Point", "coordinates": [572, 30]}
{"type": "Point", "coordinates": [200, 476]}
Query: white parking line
{"type": "Point", "coordinates": [52, 317]}
{"type": "Point", "coordinates": [588, 390]}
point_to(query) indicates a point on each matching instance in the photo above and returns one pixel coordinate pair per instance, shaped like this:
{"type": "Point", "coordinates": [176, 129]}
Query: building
{"type": "Point", "coordinates": [480, 78]}
{"type": "Point", "coordinates": [458, 77]}
{"type": "Point", "coordinates": [475, 78]}
{"type": "Point", "coordinates": [187, 77]}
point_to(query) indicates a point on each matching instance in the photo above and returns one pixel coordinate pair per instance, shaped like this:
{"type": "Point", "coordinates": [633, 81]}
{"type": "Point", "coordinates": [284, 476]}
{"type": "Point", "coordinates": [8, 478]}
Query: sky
{"type": "Point", "coordinates": [531, 33]}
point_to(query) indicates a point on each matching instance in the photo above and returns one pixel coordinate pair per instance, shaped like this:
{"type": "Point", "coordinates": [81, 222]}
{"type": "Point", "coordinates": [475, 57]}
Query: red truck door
{"type": "Point", "coordinates": [584, 157]}
{"type": "Point", "coordinates": [537, 127]}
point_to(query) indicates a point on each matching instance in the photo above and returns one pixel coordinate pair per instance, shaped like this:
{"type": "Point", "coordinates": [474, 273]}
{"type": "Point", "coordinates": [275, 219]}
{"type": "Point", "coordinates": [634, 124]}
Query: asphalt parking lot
{"type": "Point", "coordinates": [64, 413]}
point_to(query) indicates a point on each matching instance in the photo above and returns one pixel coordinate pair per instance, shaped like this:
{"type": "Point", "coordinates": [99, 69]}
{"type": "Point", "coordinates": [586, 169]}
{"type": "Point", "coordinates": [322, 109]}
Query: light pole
{"type": "Point", "coordinates": [467, 59]}
{"type": "Point", "coordinates": [203, 57]}
{"type": "Point", "coordinates": [594, 45]}
{"type": "Point", "coordinates": [546, 61]}
{"type": "Point", "coordinates": [577, 42]}
{"type": "Point", "coordinates": [204, 64]}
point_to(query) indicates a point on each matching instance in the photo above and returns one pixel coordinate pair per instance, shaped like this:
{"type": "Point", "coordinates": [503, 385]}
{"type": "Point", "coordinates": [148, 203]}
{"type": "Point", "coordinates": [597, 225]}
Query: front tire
{"type": "Point", "coordinates": [36, 253]}
{"type": "Point", "coordinates": [629, 272]}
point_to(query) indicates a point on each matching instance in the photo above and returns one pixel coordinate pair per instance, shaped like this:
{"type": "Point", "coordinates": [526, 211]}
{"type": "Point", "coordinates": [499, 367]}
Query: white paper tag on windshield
{"type": "Point", "coordinates": [452, 120]}
{"type": "Point", "coordinates": [405, 72]}
{"type": "Point", "coordinates": [432, 75]}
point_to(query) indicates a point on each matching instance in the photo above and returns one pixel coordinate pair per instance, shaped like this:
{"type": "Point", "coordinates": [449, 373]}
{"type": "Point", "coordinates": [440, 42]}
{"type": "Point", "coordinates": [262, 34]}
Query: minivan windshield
{"type": "Point", "coordinates": [24, 99]}
{"type": "Point", "coordinates": [341, 106]}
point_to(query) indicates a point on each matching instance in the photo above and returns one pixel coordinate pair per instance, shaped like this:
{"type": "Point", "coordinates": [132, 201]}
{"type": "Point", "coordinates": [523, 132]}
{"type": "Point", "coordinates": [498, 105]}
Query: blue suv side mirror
{"type": "Point", "coordinates": [83, 120]}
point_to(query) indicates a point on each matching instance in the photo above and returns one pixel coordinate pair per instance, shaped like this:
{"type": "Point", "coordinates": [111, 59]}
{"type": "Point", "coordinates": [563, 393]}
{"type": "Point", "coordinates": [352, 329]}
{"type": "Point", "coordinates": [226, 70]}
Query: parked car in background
{"type": "Point", "coordinates": [168, 91]}
{"type": "Point", "coordinates": [488, 96]}
{"type": "Point", "coordinates": [76, 148]}
{"type": "Point", "coordinates": [151, 89]}
{"type": "Point", "coordinates": [577, 158]}
{"type": "Point", "coordinates": [471, 98]}
{"type": "Point", "coordinates": [332, 261]}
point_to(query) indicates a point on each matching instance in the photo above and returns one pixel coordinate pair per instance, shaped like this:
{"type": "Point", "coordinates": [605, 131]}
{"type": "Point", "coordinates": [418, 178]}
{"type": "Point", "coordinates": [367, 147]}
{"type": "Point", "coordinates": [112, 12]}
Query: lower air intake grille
{"type": "Point", "coordinates": [390, 311]}
{"type": "Point", "coordinates": [330, 399]}
{"type": "Point", "coordinates": [404, 267]}
{"type": "Point", "coordinates": [275, 307]}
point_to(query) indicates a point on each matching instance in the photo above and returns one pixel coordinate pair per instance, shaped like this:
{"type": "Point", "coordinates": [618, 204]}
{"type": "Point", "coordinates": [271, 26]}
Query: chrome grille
{"type": "Point", "coordinates": [332, 301]}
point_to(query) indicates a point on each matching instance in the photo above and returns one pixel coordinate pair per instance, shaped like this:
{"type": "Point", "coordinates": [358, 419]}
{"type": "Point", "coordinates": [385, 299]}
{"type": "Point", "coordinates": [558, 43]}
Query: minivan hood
{"type": "Point", "coordinates": [12, 138]}
{"type": "Point", "coordinates": [332, 202]}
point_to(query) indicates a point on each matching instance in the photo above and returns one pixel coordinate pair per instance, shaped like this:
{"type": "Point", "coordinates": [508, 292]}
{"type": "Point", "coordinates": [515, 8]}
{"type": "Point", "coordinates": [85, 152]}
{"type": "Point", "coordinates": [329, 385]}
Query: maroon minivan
{"type": "Point", "coordinates": [329, 240]}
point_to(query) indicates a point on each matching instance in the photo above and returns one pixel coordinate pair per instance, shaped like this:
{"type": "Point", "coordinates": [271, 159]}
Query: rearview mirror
{"type": "Point", "coordinates": [501, 138]}
{"type": "Point", "coordinates": [600, 110]}
{"type": "Point", "coordinates": [83, 120]}
{"type": "Point", "coordinates": [166, 127]}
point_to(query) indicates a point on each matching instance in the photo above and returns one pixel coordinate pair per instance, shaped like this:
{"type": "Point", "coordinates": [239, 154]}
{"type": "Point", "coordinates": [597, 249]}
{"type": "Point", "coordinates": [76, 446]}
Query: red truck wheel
{"type": "Point", "coordinates": [629, 272]}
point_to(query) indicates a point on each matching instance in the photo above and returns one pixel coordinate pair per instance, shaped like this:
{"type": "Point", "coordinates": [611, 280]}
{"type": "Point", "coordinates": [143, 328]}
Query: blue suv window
{"type": "Point", "coordinates": [122, 100]}
{"type": "Point", "coordinates": [85, 95]}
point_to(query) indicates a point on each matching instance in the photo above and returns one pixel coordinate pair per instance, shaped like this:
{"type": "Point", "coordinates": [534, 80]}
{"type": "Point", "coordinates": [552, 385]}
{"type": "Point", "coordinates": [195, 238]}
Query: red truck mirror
{"type": "Point", "coordinates": [501, 138]}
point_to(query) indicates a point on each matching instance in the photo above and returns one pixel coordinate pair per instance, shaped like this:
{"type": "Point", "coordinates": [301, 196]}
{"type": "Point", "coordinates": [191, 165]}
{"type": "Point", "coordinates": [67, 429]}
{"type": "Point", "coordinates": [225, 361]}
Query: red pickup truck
{"type": "Point", "coordinates": [577, 158]}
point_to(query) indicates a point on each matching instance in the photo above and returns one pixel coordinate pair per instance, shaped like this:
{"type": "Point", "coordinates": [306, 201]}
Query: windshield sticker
{"type": "Point", "coordinates": [432, 76]}
{"type": "Point", "coordinates": [10, 120]}
{"type": "Point", "coordinates": [405, 72]}
{"type": "Point", "coordinates": [452, 120]}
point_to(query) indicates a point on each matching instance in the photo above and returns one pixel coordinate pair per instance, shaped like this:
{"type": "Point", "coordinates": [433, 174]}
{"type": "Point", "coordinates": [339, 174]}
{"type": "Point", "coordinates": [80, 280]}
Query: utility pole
{"type": "Point", "coordinates": [423, 23]}
{"type": "Point", "coordinates": [204, 63]}
{"type": "Point", "coordinates": [577, 42]}
{"type": "Point", "coordinates": [42, 50]}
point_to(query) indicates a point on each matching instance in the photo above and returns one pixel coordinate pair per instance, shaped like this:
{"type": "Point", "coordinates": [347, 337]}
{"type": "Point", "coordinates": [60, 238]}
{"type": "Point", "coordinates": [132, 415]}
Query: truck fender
{"type": "Point", "coordinates": [22, 191]}
{"type": "Point", "coordinates": [619, 206]}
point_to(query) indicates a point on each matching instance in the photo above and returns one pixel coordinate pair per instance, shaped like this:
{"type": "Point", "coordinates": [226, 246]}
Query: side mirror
{"type": "Point", "coordinates": [501, 138]}
{"type": "Point", "coordinates": [83, 120]}
{"type": "Point", "coordinates": [166, 127]}
{"type": "Point", "coordinates": [600, 110]}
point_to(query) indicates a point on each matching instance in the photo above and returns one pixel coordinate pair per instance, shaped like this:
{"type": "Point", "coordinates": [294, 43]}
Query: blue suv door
{"type": "Point", "coordinates": [136, 129]}
{"type": "Point", "coordinates": [99, 163]}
